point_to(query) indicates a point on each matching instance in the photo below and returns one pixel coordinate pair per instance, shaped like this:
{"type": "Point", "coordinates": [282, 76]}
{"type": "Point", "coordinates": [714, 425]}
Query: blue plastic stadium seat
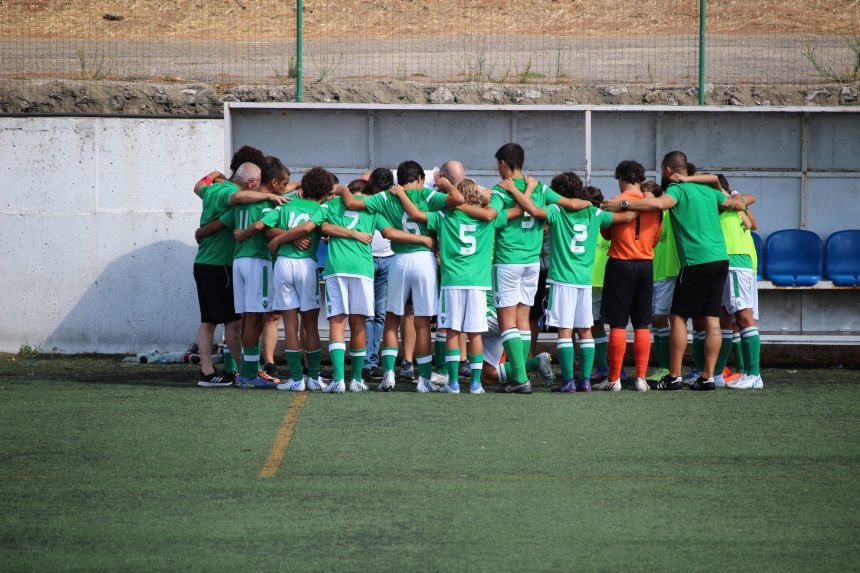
{"type": "Point", "coordinates": [322, 254]}
{"type": "Point", "coordinates": [842, 258]}
{"type": "Point", "coordinates": [794, 258]}
{"type": "Point", "coordinates": [759, 253]}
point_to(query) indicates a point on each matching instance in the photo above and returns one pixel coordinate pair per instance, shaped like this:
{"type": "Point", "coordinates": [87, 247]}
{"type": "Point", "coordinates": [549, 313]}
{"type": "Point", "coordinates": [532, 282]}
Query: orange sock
{"type": "Point", "coordinates": [641, 350]}
{"type": "Point", "coordinates": [616, 349]}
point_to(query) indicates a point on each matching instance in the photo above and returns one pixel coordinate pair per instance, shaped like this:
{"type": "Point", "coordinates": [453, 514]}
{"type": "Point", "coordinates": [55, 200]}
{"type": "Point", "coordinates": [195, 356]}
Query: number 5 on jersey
{"type": "Point", "coordinates": [470, 242]}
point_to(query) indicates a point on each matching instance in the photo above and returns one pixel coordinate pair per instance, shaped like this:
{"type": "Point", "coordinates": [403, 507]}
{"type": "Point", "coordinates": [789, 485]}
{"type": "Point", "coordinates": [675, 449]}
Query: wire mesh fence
{"type": "Point", "coordinates": [575, 42]}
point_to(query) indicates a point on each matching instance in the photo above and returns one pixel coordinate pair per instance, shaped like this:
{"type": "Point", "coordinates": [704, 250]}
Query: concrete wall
{"type": "Point", "coordinates": [96, 225]}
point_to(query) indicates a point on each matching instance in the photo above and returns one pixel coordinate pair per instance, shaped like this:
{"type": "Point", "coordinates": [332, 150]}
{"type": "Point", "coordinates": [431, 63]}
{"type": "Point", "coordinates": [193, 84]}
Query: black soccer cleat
{"type": "Point", "coordinates": [214, 380]}
{"type": "Point", "coordinates": [702, 384]}
{"type": "Point", "coordinates": [669, 383]}
{"type": "Point", "coordinates": [271, 369]}
{"type": "Point", "coordinates": [515, 388]}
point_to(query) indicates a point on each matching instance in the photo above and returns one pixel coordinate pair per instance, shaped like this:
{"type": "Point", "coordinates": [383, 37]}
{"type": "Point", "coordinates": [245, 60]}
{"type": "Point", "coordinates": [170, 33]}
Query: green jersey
{"type": "Point", "coordinates": [348, 257]}
{"type": "Point", "coordinates": [243, 216]}
{"type": "Point", "coordinates": [465, 247]}
{"type": "Point", "coordinates": [573, 243]}
{"type": "Point", "coordinates": [389, 205]}
{"type": "Point", "coordinates": [519, 241]}
{"type": "Point", "coordinates": [696, 223]}
{"type": "Point", "coordinates": [293, 214]}
{"type": "Point", "coordinates": [601, 256]}
{"type": "Point", "coordinates": [739, 241]}
{"type": "Point", "coordinates": [217, 248]}
{"type": "Point", "coordinates": [666, 263]}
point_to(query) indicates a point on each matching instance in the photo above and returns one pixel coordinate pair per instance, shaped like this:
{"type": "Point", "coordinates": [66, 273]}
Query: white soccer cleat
{"type": "Point", "coordinates": [747, 382]}
{"type": "Point", "coordinates": [293, 385]}
{"type": "Point", "coordinates": [425, 386]}
{"type": "Point", "coordinates": [608, 386]}
{"type": "Point", "coordinates": [545, 367]}
{"type": "Point", "coordinates": [357, 386]}
{"type": "Point", "coordinates": [387, 383]}
{"type": "Point", "coordinates": [338, 387]}
{"type": "Point", "coordinates": [316, 385]}
{"type": "Point", "coordinates": [450, 389]}
{"type": "Point", "coordinates": [438, 378]}
{"type": "Point", "coordinates": [641, 385]}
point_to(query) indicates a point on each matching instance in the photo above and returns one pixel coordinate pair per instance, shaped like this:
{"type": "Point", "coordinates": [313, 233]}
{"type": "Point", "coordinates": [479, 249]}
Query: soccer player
{"type": "Point", "coordinates": [573, 244]}
{"type": "Point", "coordinates": [666, 268]}
{"type": "Point", "coordinates": [413, 271]}
{"type": "Point", "coordinates": [694, 210]}
{"type": "Point", "coordinates": [598, 330]}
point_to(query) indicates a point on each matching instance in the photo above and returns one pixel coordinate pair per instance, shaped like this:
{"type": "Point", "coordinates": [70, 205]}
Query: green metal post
{"type": "Point", "coordinates": [299, 51]}
{"type": "Point", "coordinates": [701, 52]}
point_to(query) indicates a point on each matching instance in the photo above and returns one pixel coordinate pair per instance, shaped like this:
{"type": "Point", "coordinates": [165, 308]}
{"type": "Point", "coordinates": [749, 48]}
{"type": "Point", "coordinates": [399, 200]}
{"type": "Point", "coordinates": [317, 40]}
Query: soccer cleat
{"type": "Point", "coordinates": [659, 373]}
{"type": "Point", "coordinates": [690, 377]}
{"type": "Point", "coordinates": [293, 385]}
{"type": "Point", "coordinates": [733, 376]}
{"type": "Point", "coordinates": [719, 381]}
{"type": "Point", "coordinates": [316, 385]}
{"type": "Point", "coordinates": [407, 370]}
{"type": "Point", "coordinates": [748, 382]}
{"type": "Point", "coordinates": [569, 387]}
{"type": "Point", "coordinates": [438, 378]}
{"type": "Point", "coordinates": [641, 385]}
{"type": "Point", "coordinates": [514, 388]}
{"type": "Point", "coordinates": [387, 383]}
{"type": "Point", "coordinates": [425, 386]}
{"type": "Point", "coordinates": [271, 369]}
{"type": "Point", "coordinates": [476, 389]}
{"type": "Point", "coordinates": [702, 385]}
{"type": "Point", "coordinates": [258, 382]}
{"type": "Point", "coordinates": [545, 367]}
{"type": "Point", "coordinates": [464, 369]}
{"type": "Point", "coordinates": [338, 387]}
{"type": "Point", "coordinates": [357, 386]}
{"type": "Point", "coordinates": [262, 374]}
{"type": "Point", "coordinates": [609, 386]}
{"type": "Point", "coordinates": [669, 383]}
{"type": "Point", "coordinates": [599, 374]}
{"type": "Point", "coordinates": [214, 381]}
{"type": "Point", "coordinates": [585, 385]}
{"type": "Point", "coordinates": [450, 388]}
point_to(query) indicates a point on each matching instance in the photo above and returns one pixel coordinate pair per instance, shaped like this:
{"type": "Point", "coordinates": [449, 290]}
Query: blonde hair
{"type": "Point", "coordinates": [471, 192]}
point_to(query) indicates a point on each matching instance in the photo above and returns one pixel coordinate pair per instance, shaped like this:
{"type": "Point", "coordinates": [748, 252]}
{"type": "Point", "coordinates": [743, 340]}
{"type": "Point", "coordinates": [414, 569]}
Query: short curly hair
{"type": "Point", "coordinates": [568, 184]}
{"type": "Point", "coordinates": [471, 192]}
{"type": "Point", "coordinates": [630, 171]}
{"type": "Point", "coordinates": [317, 183]}
{"type": "Point", "coordinates": [595, 195]}
{"type": "Point", "coordinates": [247, 154]}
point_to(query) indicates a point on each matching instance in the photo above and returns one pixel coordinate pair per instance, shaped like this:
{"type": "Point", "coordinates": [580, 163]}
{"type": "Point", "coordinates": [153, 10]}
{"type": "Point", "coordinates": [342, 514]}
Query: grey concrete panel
{"type": "Point", "coordinates": [834, 205]}
{"type": "Point", "coordinates": [836, 311]}
{"type": "Point", "coordinates": [780, 311]}
{"type": "Point", "coordinates": [553, 141]}
{"type": "Point", "coordinates": [834, 142]}
{"type": "Point", "coordinates": [619, 136]}
{"type": "Point", "coordinates": [777, 201]}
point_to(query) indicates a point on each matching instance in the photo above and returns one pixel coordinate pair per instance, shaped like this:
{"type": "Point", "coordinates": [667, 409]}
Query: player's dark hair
{"type": "Point", "coordinates": [652, 188]}
{"type": "Point", "coordinates": [247, 154]}
{"type": "Point", "coordinates": [568, 184]}
{"type": "Point", "coordinates": [595, 195]}
{"type": "Point", "coordinates": [408, 172]}
{"type": "Point", "coordinates": [724, 183]}
{"type": "Point", "coordinates": [691, 169]}
{"type": "Point", "coordinates": [512, 155]}
{"type": "Point", "coordinates": [334, 178]}
{"type": "Point", "coordinates": [272, 170]}
{"type": "Point", "coordinates": [630, 171]}
{"type": "Point", "coordinates": [381, 179]}
{"type": "Point", "coordinates": [677, 160]}
{"type": "Point", "coordinates": [361, 186]}
{"type": "Point", "coordinates": [316, 183]}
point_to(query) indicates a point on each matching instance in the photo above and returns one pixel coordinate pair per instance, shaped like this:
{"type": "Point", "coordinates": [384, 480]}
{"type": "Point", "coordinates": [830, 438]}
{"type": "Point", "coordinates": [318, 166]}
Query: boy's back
{"type": "Point", "coordinates": [573, 243]}
{"type": "Point", "coordinates": [291, 215]}
{"type": "Point", "coordinates": [241, 217]}
{"type": "Point", "coordinates": [348, 257]}
{"type": "Point", "coordinates": [465, 247]}
{"type": "Point", "coordinates": [519, 240]}
{"type": "Point", "coordinates": [389, 206]}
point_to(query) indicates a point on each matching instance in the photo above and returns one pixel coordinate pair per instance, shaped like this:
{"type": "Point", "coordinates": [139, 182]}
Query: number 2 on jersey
{"type": "Point", "coordinates": [580, 236]}
{"type": "Point", "coordinates": [470, 242]}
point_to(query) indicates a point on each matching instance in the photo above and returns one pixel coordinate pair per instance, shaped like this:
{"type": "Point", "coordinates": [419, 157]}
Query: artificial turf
{"type": "Point", "coordinates": [109, 468]}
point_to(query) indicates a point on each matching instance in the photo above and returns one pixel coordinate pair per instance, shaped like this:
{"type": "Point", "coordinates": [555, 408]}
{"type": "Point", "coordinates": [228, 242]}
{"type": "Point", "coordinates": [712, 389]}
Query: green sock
{"type": "Point", "coordinates": [314, 359]}
{"type": "Point", "coordinates": [425, 365]}
{"type": "Point", "coordinates": [565, 357]}
{"type": "Point", "coordinates": [229, 362]}
{"type": "Point", "coordinates": [476, 364]}
{"type": "Point", "coordinates": [725, 348]}
{"type": "Point", "coordinates": [356, 357]}
{"type": "Point", "coordinates": [513, 346]}
{"type": "Point", "coordinates": [661, 337]}
{"type": "Point", "coordinates": [337, 353]}
{"type": "Point", "coordinates": [294, 361]}
{"type": "Point", "coordinates": [250, 362]}
{"type": "Point", "coordinates": [699, 350]}
{"type": "Point", "coordinates": [737, 352]}
{"type": "Point", "coordinates": [586, 356]}
{"type": "Point", "coordinates": [526, 337]}
{"type": "Point", "coordinates": [751, 346]}
{"type": "Point", "coordinates": [532, 364]}
{"type": "Point", "coordinates": [601, 346]}
{"type": "Point", "coordinates": [439, 353]}
{"type": "Point", "coordinates": [389, 357]}
{"type": "Point", "coordinates": [257, 352]}
{"type": "Point", "coordinates": [452, 360]}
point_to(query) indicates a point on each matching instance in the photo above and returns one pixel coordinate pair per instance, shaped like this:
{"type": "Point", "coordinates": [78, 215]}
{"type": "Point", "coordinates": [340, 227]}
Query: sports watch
{"type": "Point", "coordinates": [624, 203]}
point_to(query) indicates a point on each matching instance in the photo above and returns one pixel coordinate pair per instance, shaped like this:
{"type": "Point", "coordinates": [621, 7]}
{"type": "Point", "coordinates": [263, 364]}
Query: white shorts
{"type": "Point", "coordinates": [569, 306]}
{"type": "Point", "coordinates": [661, 300]}
{"type": "Point", "coordinates": [741, 291]}
{"type": "Point", "coordinates": [596, 299]}
{"type": "Point", "coordinates": [297, 284]}
{"type": "Point", "coordinates": [413, 274]}
{"type": "Point", "coordinates": [492, 340]}
{"type": "Point", "coordinates": [348, 295]}
{"type": "Point", "coordinates": [463, 309]}
{"type": "Point", "coordinates": [252, 285]}
{"type": "Point", "coordinates": [515, 284]}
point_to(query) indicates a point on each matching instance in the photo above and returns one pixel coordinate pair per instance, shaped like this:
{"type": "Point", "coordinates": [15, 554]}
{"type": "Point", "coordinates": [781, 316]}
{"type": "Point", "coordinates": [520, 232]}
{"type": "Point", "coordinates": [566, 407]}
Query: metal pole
{"type": "Point", "coordinates": [701, 52]}
{"type": "Point", "coordinates": [299, 51]}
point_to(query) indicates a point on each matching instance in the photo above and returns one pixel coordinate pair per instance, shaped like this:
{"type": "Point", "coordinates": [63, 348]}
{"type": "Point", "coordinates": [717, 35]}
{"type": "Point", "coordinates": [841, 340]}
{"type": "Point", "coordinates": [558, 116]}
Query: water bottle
{"type": "Point", "coordinates": [175, 357]}
{"type": "Point", "coordinates": [148, 357]}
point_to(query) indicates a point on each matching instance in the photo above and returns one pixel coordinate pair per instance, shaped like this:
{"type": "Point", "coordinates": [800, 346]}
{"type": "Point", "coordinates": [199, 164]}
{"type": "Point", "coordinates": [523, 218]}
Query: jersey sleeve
{"type": "Point", "coordinates": [381, 222]}
{"type": "Point", "coordinates": [320, 216]}
{"type": "Point", "coordinates": [501, 219]}
{"type": "Point", "coordinates": [374, 202]}
{"type": "Point", "coordinates": [434, 220]}
{"type": "Point", "coordinates": [496, 200]}
{"type": "Point", "coordinates": [228, 218]}
{"type": "Point", "coordinates": [271, 218]}
{"type": "Point", "coordinates": [550, 196]}
{"type": "Point", "coordinates": [552, 214]}
{"type": "Point", "coordinates": [435, 199]}
{"type": "Point", "coordinates": [674, 191]}
{"type": "Point", "coordinates": [604, 218]}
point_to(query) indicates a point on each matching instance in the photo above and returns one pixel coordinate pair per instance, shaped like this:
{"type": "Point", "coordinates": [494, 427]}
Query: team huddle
{"type": "Point", "coordinates": [654, 257]}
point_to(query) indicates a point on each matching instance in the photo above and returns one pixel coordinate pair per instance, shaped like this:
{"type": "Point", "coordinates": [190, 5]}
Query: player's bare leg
{"type": "Point", "coordinates": [205, 339]}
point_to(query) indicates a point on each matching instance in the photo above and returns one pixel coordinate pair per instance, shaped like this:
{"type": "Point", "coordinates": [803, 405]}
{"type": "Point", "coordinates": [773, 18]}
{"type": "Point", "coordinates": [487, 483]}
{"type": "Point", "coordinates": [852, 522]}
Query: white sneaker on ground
{"type": "Point", "coordinates": [316, 385]}
{"type": "Point", "coordinates": [438, 378]}
{"type": "Point", "coordinates": [387, 383]}
{"type": "Point", "coordinates": [338, 387]}
{"type": "Point", "coordinates": [425, 386]}
{"type": "Point", "coordinates": [641, 385]}
{"type": "Point", "coordinates": [545, 367]}
{"type": "Point", "coordinates": [450, 389]}
{"type": "Point", "coordinates": [357, 386]}
{"type": "Point", "coordinates": [747, 382]}
{"type": "Point", "coordinates": [293, 385]}
{"type": "Point", "coordinates": [608, 386]}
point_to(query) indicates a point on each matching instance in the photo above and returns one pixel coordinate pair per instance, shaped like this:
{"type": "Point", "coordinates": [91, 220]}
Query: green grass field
{"type": "Point", "coordinates": [109, 468]}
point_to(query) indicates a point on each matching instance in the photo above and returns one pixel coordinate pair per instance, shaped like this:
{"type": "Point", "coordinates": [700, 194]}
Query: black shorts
{"type": "Point", "coordinates": [627, 292]}
{"type": "Point", "coordinates": [538, 308]}
{"type": "Point", "coordinates": [215, 293]}
{"type": "Point", "coordinates": [699, 290]}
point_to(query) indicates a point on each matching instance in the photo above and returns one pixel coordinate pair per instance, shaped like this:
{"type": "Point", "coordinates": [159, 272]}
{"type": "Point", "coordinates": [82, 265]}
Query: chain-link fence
{"type": "Point", "coordinates": [576, 42]}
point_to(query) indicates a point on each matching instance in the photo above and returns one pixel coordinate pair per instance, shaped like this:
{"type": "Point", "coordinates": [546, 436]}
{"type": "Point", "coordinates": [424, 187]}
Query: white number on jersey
{"type": "Point", "coordinates": [528, 221]}
{"type": "Point", "coordinates": [470, 242]}
{"type": "Point", "coordinates": [352, 215]}
{"type": "Point", "coordinates": [297, 219]}
{"type": "Point", "coordinates": [244, 216]}
{"type": "Point", "coordinates": [580, 237]}
{"type": "Point", "coordinates": [409, 225]}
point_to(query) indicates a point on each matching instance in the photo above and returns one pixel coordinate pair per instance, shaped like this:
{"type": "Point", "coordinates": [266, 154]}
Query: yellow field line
{"type": "Point", "coordinates": [284, 437]}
